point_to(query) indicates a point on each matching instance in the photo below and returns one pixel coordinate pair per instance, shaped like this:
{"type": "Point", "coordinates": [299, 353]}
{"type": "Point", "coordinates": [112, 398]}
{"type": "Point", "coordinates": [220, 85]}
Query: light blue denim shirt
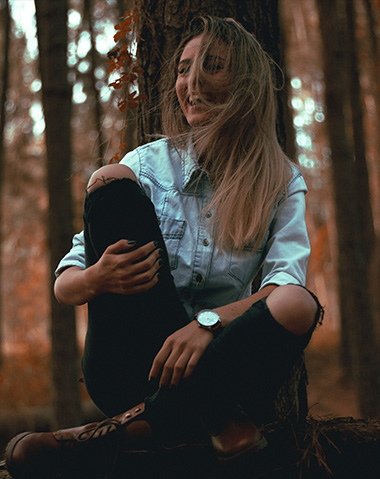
{"type": "Point", "coordinates": [205, 276]}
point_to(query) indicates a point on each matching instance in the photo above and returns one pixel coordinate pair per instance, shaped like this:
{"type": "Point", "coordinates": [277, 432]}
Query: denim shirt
{"type": "Point", "coordinates": [205, 276]}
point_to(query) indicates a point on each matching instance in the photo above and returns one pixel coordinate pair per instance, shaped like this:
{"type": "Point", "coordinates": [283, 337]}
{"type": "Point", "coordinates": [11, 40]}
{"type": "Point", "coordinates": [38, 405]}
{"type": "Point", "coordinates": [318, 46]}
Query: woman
{"type": "Point", "coordinates": [173, 325]}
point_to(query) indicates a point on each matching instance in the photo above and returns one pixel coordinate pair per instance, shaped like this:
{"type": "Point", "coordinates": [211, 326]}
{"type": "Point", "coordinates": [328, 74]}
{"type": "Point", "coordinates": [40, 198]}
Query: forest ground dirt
{"type": "Point", "coordinates": [329, 392]}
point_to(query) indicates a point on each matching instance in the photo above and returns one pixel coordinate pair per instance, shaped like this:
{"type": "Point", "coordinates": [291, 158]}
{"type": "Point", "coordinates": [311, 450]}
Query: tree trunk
{"type": "Point", "coordinates": [161, 25]}
{"type": "Point", "coordinates": [372, 18]}
{"type": "Point", "coordinates": [6, 21]}
{"type": "Point", "coordinates": [356, 312]}
{"type": "Point", "coordinates": [358, 134]}
{"type": "Point", "coordinates": [128, 136]}
{"type": "Point", "coordinates": [56, 96]}
{"type": "Point", "coordinates": [289, 142]}
{"type": "Point", "coordinates": [87, 14]}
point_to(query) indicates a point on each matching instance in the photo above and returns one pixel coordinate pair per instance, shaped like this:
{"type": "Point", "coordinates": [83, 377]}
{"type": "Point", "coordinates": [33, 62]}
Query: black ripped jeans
{"type": "Point", "coordinates": [246, 364]}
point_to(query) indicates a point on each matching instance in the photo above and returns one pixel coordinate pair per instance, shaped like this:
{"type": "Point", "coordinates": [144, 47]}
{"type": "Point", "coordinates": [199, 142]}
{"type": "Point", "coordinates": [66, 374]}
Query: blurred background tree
{"type": "Point", "coordinates": [6, 28]}
{"type": "Point", "coordinates": [51, 18]}
{"type": "Point", "coordinates": [353, 210]}
{"type": "Point", "coordinates": [344, 265]}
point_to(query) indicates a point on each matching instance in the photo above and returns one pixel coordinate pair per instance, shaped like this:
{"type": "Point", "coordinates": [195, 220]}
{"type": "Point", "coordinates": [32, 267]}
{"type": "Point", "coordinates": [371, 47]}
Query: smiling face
{"type": "Point", "coordinates": [196, 103]}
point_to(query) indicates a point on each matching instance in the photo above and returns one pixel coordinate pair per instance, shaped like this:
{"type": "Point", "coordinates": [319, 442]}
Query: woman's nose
{"type": "Point", "coordinates": [193, 83]}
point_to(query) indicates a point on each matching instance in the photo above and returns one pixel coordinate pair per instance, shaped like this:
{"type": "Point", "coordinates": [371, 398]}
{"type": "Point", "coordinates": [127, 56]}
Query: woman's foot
{"type": "Point", "coordinates": [45, 455]}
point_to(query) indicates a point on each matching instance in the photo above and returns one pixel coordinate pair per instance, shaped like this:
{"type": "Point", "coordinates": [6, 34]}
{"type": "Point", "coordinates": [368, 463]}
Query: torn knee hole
{"type": "Point", "coordinates": [97, 182]}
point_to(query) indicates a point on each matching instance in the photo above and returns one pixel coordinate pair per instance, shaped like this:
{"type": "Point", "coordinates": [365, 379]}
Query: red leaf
{"type": "Point", "coordinates": [117, 84]}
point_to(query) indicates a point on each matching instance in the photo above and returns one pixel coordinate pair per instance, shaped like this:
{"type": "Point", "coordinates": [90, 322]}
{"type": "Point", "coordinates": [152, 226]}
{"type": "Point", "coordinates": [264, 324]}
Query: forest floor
{"type": "Point", "coordinates": [329, 393]}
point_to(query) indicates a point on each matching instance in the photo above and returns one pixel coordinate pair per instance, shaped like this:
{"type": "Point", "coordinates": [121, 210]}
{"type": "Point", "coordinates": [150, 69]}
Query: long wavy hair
{"type": "Point", "coordinates": [239, 147]}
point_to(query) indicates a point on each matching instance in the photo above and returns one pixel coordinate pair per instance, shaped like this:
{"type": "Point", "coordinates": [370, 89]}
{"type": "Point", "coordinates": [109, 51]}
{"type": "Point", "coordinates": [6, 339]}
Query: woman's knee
{"type": "Point", "coordinates": [293, 307]}
{"type": "Point", "coordinates": [108, 173]}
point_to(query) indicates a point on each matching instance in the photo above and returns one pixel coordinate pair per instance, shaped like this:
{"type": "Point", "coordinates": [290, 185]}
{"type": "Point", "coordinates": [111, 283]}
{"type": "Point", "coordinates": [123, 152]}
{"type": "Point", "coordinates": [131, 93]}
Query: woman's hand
{"type": "Point", "coordinates": [121, 269]}
{"type": "Point", "coordinates": [180, 354]}
{"type": "Point", "coordinates": [124, 270]}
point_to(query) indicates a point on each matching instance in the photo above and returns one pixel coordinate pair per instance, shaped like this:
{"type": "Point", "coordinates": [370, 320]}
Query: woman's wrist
{"type": "Point", "coordinates": [91, 283]}
{"type": "Point", "coordinates": [73, 286]}
{"type": "Point", "coordinates": [209, 320]}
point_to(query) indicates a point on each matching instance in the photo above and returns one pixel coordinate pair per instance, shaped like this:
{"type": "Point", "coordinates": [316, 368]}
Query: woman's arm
{"type": "Point", "coordinates": [118, 271]}
{"type": "Point", "coordinates": [231, 311]}
{"type": "Point", "coordinates": [183, 349]}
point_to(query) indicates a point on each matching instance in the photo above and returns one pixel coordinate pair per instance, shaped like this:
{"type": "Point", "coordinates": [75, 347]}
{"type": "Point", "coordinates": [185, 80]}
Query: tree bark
{"type": "Point", "coordinates": [56, 96]}
{"type": "Point", "coordinates": [358, 133]}
{"type": "Point", "coordinates": [4, 92]}
{"type": "Point", "coordinates": [87, 14]}
{"type": "Point", "coordinates": [129, 133]}
{"type": "Point", "coordinates": [356, 312]}
{"type": "Point", "coordinates": [372, 18]}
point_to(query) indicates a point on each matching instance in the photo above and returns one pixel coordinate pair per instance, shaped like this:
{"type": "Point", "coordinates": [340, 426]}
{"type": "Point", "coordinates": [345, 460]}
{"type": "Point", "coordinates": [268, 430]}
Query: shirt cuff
{"type": "Point", "coordinates": [280, 279]}
{"type": "Point", "coordinates": [66, 264]}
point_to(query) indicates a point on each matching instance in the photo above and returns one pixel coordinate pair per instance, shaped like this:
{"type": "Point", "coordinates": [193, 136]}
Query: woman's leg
{"type": "Point", "coordinates": [246, 364]}
{"type": "Point", "coordinates": [249, 361]}
{"type": "Point", "coordinates": [256, 352]}
{"type": "Point", "coordinates": [124, 332]}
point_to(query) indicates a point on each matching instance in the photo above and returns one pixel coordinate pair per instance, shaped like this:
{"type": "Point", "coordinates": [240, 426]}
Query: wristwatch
{"type": "Point", "coordinates": [210, 320]}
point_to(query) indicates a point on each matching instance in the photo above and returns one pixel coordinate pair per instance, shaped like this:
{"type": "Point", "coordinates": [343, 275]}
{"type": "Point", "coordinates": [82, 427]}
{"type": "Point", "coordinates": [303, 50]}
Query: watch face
{"type": "Point", "coordinates": [208, 318]}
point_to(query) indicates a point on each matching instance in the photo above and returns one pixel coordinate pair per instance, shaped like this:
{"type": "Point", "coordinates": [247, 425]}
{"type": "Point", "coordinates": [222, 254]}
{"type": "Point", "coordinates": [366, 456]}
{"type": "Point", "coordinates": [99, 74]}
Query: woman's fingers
{"type": "Point", "coordinates": [151, 263]}
{"type": "Point", "coordinates": [179, 370]}
{"type": "Point", "coordinates": [191, 364]}
{"type": "Point", "coordinates": [143, 286]}
{"type": "Point", "coordinates": [141, 253]}
{"type": "Point", "coordinates": [124, 246]}
{"type": "Point", "coordinates": [177, 366]}
{"type": "Point", "coordinates": [159, 362]}
{"type": "Point", "coordinates": [120, 246]}
{"type": "Point", "coordinates": [125, 269]}
{"type": "Point", "coordinates": [180, 355]}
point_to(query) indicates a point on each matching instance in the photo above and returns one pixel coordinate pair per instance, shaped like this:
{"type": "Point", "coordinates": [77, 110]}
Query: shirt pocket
{"type": "Point", "coordinates": [172, 232]}
{"type": "Point", "coordinates": [244, 266]}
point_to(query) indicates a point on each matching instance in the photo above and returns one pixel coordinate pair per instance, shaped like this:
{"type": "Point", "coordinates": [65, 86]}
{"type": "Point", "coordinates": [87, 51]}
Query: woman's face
{"type": "Point", "coordinates": [215, 82]}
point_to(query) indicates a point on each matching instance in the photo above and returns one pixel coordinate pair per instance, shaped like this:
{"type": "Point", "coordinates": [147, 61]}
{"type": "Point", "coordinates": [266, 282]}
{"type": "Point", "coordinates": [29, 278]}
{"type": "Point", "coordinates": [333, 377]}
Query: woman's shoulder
{"type": "Point", "coordinates": [150, 156]}
{"type": "Point", "coordinates": [162, 146]}
{"type": "Point", "coordinates": [297, 181]}
{"type": "Point", "coordinates": [158, 162]}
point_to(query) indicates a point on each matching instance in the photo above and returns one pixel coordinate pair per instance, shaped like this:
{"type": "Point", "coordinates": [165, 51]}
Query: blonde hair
{"type": "Point", "coordinates": [239, 147]}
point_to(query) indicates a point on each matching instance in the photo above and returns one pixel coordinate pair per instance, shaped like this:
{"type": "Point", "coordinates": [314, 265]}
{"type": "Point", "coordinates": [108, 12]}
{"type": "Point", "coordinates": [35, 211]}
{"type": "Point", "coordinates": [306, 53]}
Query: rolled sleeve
{"type": "Point", "coordinates": [75, 257]}
{"type": "Point", "coordinates": [288, 246]}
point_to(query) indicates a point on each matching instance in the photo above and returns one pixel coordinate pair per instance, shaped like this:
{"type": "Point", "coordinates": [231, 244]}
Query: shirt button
{"type": "Point", "coordinates": [198, 278]}
{"type": "Point", "coordinates": [205, 242]}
